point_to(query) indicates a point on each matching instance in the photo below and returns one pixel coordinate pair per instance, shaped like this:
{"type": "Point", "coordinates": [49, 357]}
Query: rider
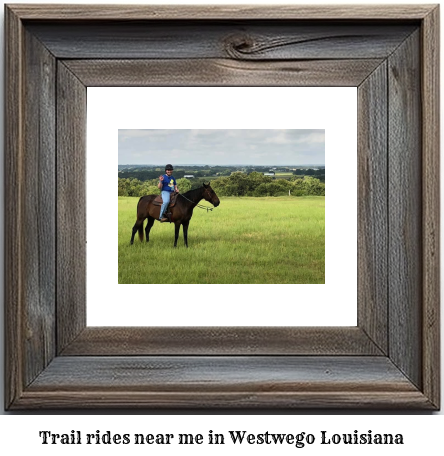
{"type": "Point", "coordinates": [167, 183]}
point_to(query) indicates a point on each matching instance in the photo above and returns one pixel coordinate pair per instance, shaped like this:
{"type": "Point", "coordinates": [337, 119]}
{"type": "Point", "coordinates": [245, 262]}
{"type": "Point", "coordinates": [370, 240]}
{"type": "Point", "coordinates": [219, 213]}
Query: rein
{"type": "Point", "coordinates": [197, 204]}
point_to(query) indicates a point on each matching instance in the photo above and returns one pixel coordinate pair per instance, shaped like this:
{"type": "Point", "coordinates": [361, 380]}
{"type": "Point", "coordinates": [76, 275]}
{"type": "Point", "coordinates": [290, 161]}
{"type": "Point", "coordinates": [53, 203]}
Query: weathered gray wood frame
{"type": "Point", "coordinates": [390, 360]}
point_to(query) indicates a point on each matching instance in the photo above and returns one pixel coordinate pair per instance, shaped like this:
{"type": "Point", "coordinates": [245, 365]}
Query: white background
{"type": "Point", "coordinates": [329, 304]}
{"type": "Point", "coordinates": [20, 433]}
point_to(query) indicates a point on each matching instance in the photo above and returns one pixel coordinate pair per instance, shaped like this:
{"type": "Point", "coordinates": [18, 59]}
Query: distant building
{"type": "Point", "coordinates": [189, 176]}
{"type": "Point", "coordinates": [271, 173]}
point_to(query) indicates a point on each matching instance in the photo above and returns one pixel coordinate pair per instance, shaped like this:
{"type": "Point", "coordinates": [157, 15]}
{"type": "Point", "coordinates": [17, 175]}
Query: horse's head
{"type": "Point", "coordinates": [210, 196]}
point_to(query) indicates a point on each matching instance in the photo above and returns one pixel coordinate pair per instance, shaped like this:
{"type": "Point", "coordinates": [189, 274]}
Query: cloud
{"type": "Point", "coordinates": [234, 146]}
{"type": "Point", "coordinates": [314, 137]}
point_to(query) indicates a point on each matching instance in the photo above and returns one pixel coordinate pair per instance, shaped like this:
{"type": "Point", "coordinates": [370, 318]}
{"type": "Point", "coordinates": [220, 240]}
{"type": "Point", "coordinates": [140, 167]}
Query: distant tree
{"type": "Point", "coordinates": [147, 188]}
{"type": "Point", "coordinates": [314, 186]}
{"type": "Point", "coordinates": [184, 185]}
{"type": "Point", "coordinates": [283, 185]}
{"type": "Point", "coordinates": [237, 184]}
{"type": "Point", "coordinates": [135, 188]}
{"type": "Point", "coordinates": [219, 186]}
{"type": "Point", "coordinates": [141, 175]}
{"type": "Point", "coordinates": [129, 187]}
{"type": "Point", "coordinates": [308, 186]}
{"type": "Point", "coordinates": [238, 181]}
{"type": "Point", "coordinates": [274, 188]}
{"type": "Point", "coordinates": [255, 179]}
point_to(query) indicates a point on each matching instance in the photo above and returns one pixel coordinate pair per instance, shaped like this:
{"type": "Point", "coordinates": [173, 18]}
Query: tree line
{"type": "Point", "coordinates": [237, 184]}
{"type": "Point", "coordinates": [144, 172]}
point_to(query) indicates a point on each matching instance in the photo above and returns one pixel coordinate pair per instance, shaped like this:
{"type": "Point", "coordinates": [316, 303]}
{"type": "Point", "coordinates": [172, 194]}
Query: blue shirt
{"type": "Point", "coordinates": [168, 183]}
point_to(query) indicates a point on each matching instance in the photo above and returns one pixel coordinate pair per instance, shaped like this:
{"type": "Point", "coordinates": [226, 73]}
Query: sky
{"type": "Point", "coordinates": [222, 147]}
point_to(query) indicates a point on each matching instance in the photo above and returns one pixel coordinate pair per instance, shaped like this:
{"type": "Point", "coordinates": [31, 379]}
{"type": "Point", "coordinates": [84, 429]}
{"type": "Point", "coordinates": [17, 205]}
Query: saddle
{"type": "Point", "coordinates": [158, 200]}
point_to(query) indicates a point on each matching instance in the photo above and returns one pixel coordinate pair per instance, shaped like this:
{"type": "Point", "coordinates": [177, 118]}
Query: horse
{"type": "Point", "coordinates": [181, 212]}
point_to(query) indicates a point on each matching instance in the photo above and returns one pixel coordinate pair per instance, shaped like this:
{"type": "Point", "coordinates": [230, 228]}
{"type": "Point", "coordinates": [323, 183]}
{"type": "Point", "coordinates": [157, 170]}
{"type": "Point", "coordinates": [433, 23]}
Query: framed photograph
{"type": "Point", "coordinates": [55, 358]}
{"type": "Point", "coordinates": [263, 243]}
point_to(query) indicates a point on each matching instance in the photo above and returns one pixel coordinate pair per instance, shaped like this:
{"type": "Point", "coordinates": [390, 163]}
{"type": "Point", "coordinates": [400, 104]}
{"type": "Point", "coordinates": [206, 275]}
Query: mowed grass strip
{"type": "Point", "coordinates": [244, 241]}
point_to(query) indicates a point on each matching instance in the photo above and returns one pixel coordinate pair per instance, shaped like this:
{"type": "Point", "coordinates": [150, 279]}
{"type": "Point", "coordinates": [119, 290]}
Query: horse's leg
{"type": "Point", "coordinates": [176, 232]}
{"type": "Point", "coordinates": [185, 232]}
{"type": "Point", "coordinates": [149, 225]}
{"type": "Point", "coordinates": [138, 226]}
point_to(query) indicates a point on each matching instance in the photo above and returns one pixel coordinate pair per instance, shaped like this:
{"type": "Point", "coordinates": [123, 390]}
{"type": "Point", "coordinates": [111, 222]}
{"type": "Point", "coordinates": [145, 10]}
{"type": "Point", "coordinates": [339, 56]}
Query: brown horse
{"type": "Point", "coordinates": [181, 212]}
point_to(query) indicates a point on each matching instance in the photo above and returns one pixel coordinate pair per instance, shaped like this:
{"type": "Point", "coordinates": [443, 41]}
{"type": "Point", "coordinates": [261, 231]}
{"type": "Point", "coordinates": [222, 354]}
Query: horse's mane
{"type": "Point", "coordinates": [191, 193]}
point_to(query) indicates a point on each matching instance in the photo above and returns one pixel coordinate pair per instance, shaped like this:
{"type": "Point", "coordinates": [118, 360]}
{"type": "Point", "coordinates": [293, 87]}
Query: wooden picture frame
{"type": "Point", "coordinates": [390, 360]}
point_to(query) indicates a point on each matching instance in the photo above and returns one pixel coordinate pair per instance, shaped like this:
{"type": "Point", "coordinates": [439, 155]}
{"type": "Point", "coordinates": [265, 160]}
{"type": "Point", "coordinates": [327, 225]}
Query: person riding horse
{"type": "Point", "coordinates": [167, 184]}
{"type": "Point", "coordinates": [181, 212]}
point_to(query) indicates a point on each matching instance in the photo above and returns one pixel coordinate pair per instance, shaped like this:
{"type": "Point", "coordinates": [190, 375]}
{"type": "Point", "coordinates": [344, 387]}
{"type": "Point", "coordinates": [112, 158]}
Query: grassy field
{"type": "Point", "coordinates": [244, 240]}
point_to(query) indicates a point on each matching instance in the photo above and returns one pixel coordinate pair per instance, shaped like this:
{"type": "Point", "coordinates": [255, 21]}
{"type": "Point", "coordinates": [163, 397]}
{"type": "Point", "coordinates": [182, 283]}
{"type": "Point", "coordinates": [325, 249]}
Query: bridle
{"type": "Point", "coordinates": [197, 204]}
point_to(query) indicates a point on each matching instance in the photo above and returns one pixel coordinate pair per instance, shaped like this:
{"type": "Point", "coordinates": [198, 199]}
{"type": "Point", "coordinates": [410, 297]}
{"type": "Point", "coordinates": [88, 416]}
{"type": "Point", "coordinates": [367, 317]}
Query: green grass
{"type": "Point", "coordinates": [244, 240]}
